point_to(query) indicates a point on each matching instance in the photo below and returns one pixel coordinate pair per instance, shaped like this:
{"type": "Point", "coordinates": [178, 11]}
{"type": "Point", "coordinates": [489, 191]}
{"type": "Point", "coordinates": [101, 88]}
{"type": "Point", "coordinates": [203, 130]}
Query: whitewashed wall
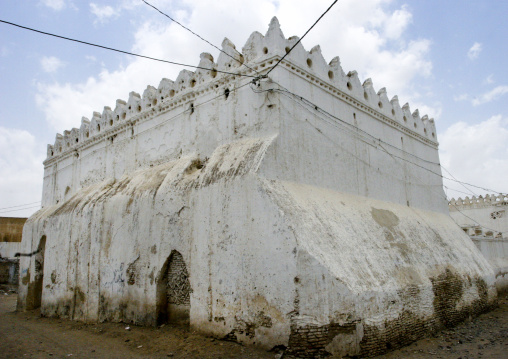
{"type": "Point", "coordinates": [287, 221]}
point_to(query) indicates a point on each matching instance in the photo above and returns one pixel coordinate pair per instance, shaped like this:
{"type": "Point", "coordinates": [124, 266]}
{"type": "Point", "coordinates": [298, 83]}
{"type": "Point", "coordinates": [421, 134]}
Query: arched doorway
{"type": "Point", "coordinates": [173, 291]}
{"type": "Point", "coordinates": [35, 286]}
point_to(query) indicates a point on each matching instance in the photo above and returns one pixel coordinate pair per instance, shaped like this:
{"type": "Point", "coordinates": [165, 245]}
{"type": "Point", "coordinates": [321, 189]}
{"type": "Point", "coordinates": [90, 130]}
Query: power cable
{"type": "Point", "coordinates": [456, 190]}
{"type": "Point", "coordinates": [317, 108]}
{"type": "Point", "coordinates": [20, 209]}
{"type": "Point", "coordinates": [300, 39]}
{"type": "Point", "coordinates": [467, 189]}
{"type": "Point", "coordinates": [355, 128]}
{"type": "Point", "coordinates": [416, 179]}
{"type": "Point", "coordinates": [20, 205]}
{"type": "Point", "coordinates": [121, 51]}
{"type": "Point", "coordinates": [193, 108]}
{"type": "Point", "coordinates": [205, 40]}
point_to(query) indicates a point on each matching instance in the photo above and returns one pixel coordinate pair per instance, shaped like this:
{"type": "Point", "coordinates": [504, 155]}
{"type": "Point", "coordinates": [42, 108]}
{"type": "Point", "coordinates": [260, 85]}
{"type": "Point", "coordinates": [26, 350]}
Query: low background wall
{"type": "Point", "coordinates": [11, 230]}
{"type": "Point", "coordinates": [9, 271]}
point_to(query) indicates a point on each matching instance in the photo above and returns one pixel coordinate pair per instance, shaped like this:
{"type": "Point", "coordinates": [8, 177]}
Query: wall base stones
{"type": "Point", "coordinates": [358, 338]}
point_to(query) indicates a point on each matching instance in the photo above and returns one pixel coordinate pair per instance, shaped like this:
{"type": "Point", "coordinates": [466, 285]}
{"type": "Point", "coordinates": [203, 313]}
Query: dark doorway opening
{"type": "Point", "coordinates": [173, 291]}
{"type": "Point", "coordinates": [36, 285]}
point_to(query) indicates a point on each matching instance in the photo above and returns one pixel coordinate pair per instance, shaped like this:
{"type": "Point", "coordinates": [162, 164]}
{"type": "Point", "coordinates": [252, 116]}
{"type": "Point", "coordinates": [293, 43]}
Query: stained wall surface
{"type": "Point", "coordinates": [11, 229]}
{"type": "Point", "coordinates": [320, 225]}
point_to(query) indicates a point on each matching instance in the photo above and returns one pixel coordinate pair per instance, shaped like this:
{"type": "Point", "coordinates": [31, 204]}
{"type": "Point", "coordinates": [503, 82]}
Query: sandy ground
{"type": "Point", "coordinates": [27, 335]}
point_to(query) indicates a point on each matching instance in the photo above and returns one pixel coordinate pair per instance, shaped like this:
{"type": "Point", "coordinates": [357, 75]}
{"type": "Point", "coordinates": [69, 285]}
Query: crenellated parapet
{"type": "Point", "coordinates": [478, 202]}
{"type": "Point", "coordinates": [253, 175]}
{"type": "Point", "coordinates": [257, 57]}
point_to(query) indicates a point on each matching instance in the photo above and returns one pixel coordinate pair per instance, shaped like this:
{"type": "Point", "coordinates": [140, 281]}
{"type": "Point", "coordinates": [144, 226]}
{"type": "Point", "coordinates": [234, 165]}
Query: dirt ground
{"type": "Point", "coordinates": [28, 335]}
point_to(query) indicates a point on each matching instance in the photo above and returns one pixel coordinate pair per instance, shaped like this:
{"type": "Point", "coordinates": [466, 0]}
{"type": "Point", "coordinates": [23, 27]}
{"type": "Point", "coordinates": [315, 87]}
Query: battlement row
{"type": "Point", "coordinates": [254, 60]}
{"type": "Point", "coordinates": [500, 199]}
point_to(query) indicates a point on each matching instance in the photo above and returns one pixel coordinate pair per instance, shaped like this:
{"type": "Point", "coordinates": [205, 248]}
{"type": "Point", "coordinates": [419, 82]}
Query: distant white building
{"type": "Point", "coordinates": [485, 220]}
{"type": "Point", "coordinates": [301, 209]}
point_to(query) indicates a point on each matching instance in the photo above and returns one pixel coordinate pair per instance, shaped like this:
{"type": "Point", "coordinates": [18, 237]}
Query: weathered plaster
{"type": "Point", "coordinates": [295, 228]}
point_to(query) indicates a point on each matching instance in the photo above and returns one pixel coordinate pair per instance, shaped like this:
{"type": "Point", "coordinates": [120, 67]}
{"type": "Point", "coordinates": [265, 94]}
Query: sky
{"type": "Point", "coordinates": [445, 58]}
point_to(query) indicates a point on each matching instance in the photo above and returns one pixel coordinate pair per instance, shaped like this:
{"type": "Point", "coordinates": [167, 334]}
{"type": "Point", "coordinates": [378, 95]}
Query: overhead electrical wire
{"type": "Point", "coordinates": [416, 179]}
{"type": "Point", "coordinates": [121, 51]}
{"type": "Point", "coordinates": [300, 39]}
{"type": "Point", "coordinates": [467, 189]}
{"type": "Point", "coordinates": [19, 209]}
{"type": "Point", "coordinates": [20, 205]}
{"type": "Point", "coordinates": [456, 190]}
{"type": "Point", "coordinates": [205, 40]}
{"type": "Point", "coordinates": [315, 107]}
{"type": "Point", "coordinates": [355, 128]}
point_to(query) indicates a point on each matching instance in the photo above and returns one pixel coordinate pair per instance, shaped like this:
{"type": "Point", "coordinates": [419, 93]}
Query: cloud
{"type": "Point", "coordinates": [476, 154]}
{"type": "Point", "coordinates": [490, 79]}
{"type": "Point", "coordinates": [368, 37]}
{"type": "Point", "coordinates": [490, 96]}
{"type": "Point", "coordinates": [54, 4]}
{"type": "Point", "coordinates": [397, 23]}
{"type": "Point", "coordinates": [463, 97]}
{"type": "Point", "coordinates": [474, 51]}
{"type": "Point", "coordinates": [21, 171]}
{"type": "Point", "coordinates": [103, 13]}
{"type": "Point", "coordinates": [51, 63]}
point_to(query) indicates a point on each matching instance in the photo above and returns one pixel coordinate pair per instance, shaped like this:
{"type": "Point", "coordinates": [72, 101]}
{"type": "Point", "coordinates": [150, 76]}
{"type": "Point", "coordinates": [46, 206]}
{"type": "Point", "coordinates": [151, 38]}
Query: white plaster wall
{"type": "Point", "coordinates": [9, 249]}
{"type": "Point", "coordinates": [167, 129]}
{"type": "Point", "coordinates": [255, 249]}
{"type": "Point", "coordinates": [496, 251]}
{"type": "Point", "coordinates": [166, 137]}
{"type": "Point", "coordinates": [486, 222]}
{"type": "Point", "coordinates": [283, 219]}
{"type": "Point", "coordinates": [95, 244]}
{"type": "Point", "coordinates": [326, 152]}
{"type": "Point", "coordinates": [481, 215]}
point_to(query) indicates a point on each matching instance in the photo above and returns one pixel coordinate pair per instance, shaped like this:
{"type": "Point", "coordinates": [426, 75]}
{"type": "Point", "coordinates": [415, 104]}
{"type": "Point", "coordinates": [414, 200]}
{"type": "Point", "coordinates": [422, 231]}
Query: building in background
{"type": "Point", "coordinates": [10, 240]}
{"type": "Point", "coordinates": [485, 220]}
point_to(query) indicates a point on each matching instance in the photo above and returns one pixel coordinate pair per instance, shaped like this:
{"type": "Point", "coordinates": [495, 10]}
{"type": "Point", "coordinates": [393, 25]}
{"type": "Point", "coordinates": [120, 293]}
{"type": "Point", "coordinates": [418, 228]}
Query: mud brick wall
{"type": "Point", "coordinates": [11, 229]}
{"type": "Point", "coordinates": [310, 341]}
{"type": "Point", "coordinates": [448, 289]}
{"type": "Point", "coordinates": [178, 281]}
